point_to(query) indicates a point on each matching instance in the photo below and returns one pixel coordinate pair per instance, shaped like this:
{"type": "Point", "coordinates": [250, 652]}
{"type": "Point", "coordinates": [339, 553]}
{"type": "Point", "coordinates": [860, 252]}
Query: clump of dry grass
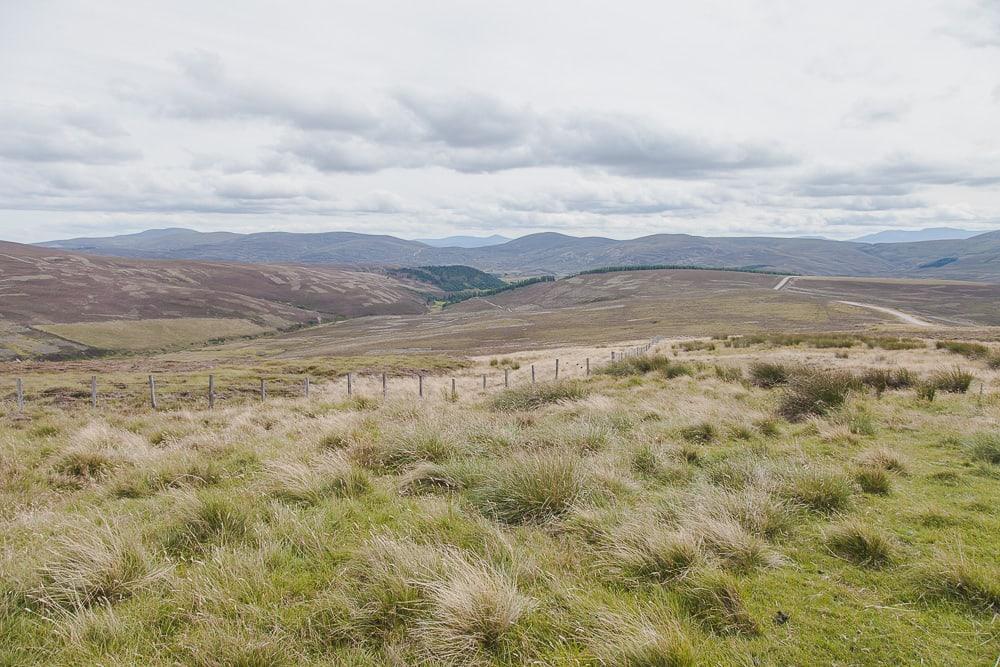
{"type": "Point", "coordinates": [862, 544]}
{"type": "Point", "coordinates": [430, 477]}
{"type": "Point", "coordinates": [97, 450]}
{"type": "Point", "coordinates": [884, 458]}
{"type": "Point", "coordinates": [309, 483]}
{"type": "Point", "coordinates": [93, 565]}
{"type": "Point", "coordinates": [635, 639]}
{"type": "Point", "coordinates": [472, 612]}
{"type": "Point", "coordinates": [645, 553]}
{"type": "Point", "coordinates": [735, 546]}
{"type": "Point", "coordinates": [531, 488]}
{"type": "Point", "coordinates": [715, 599]}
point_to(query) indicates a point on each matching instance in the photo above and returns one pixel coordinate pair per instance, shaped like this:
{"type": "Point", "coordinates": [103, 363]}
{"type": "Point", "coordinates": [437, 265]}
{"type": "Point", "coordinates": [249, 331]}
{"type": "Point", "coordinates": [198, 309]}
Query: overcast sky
{"type": "Point", "coordinates": [431, 118]}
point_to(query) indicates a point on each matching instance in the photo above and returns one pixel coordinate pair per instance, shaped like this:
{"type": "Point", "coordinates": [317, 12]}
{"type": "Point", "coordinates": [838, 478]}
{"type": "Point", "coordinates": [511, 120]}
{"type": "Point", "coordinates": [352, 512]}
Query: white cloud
{"type": "Point", "coordinates": [715, 118]}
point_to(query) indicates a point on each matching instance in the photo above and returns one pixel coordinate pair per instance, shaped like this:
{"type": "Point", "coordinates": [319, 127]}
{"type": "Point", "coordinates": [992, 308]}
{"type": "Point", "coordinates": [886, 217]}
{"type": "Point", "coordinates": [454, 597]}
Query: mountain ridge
{"type": "Point", "coordinates": [976, 258]}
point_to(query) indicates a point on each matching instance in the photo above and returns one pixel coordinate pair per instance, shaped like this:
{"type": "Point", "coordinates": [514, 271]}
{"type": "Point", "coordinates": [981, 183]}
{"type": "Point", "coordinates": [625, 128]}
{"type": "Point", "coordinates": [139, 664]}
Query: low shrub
{"type": "Point", "coordinates": [769, 375]}
{"type": "Point", "coordinates": [696, 345]}
{"type": "Point", "coordinates": [862, 544]}
{"type": "Point", "coordinates": [815, 393]}
{"type": "Point", "coordinates": [955, 381]}
{"type": "Point", "coordinates": [964, 348]}
{"type": "Point", "coordinates": [729, 373]}
{"type": "Point", "coordinates": [883, 379]}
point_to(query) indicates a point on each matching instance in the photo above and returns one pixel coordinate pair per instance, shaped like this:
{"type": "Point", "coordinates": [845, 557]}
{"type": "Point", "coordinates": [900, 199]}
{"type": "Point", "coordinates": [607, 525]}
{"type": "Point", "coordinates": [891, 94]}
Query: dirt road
{"type": "Point", "coordinates": [903, 317]}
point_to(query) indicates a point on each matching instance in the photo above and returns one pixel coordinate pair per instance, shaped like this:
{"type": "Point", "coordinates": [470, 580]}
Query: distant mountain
{"type": "Point", "coordinates": [976, 258]}
{"type": "Point", "coordinates": [465, 241]}
{"type": "Point", "coordinates": [910, 235]}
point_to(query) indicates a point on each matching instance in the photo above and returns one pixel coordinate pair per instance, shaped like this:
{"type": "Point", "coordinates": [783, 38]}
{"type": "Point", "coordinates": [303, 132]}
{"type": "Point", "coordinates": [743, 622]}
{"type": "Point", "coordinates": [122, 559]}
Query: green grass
{"type": "Point", "coordinates": [632, 521]}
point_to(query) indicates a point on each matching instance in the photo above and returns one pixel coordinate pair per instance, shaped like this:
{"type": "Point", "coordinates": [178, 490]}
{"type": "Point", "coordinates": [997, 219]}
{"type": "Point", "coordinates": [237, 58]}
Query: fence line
{"type": "Point", "coordinates": [304, 387]}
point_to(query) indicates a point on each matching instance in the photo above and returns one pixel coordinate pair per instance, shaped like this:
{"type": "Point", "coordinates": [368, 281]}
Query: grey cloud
{"type": "Point", "coordinates": [466, 132]}
{"type": "Point", "coordinates": [37, 134]}
{"type": "Point", "coordinates": [977, 25]}
{"type": "Point", "coordinates": [871, 112]}
{"type": "Point", "coordinates": [893, 177]}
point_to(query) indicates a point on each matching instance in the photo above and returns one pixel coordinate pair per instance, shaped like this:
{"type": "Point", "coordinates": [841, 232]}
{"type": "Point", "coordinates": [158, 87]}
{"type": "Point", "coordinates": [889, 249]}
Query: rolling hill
{"type": "Point", "coordinates": [40, 286]}
{"type": "Point", "coordinates": [976, 258]}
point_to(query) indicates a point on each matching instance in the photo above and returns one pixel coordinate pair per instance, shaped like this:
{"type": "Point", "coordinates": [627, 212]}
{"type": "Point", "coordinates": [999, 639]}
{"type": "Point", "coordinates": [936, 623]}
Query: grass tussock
{"type": "Point", "coordinates": [954, 577]}
{"type": "Point", "coordinates": [96, 565]}
{"type": "Point", "coordinates": [472, 613]}
{"type": "Point", "coordinates": [531, 397]}
{"type": "Point", "coordinates": [531, 488]}
{"type": "Point", "coordinates": [716, 600]}
{"type": "Point", "coordinates": [873, 479]}
{"type": "Point", "coordinates": [823, 491]}
{"type": "Point", "coordinates": [967, 349]}
{"type": "Point", "coordinates": [630, 521]}
{"type": "Point", "coordinates": [309, 483]}
{"type": "Point", "coordinates": [767, 375]}
{"type": "Point", "coordinates": [885, 379]}
{"type": "Point", "coordinates": [862, 544]}
{"type": "Point", "coordinates": [984, 447]}
{"type": "Point", "coordinates": [632, 366]}
{"type": "Point", "coordinates": [954, 381]}
{"type": "Point", "coordinates": [815, 393]}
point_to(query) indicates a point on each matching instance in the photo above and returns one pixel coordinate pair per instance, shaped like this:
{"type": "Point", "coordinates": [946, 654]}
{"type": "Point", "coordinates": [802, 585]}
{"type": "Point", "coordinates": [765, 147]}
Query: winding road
{"type": "Point", "coordinates": [898, 314]}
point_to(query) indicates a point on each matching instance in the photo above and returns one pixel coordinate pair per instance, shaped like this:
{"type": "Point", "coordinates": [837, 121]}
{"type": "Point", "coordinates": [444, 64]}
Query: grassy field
{"type": "Point", "coordinates": [152, 334]}
{"type": "Point", "coordinates": [785, 502]}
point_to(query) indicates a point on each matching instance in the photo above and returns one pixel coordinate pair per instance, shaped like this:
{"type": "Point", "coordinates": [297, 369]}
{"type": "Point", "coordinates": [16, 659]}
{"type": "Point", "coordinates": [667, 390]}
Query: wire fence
{"type": "Point", "coordinates": [172, 391]}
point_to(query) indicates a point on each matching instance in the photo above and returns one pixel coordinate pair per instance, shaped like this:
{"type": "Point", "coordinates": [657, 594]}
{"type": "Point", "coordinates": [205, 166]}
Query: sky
{"type": "Point", "coordinates": [431, 118]}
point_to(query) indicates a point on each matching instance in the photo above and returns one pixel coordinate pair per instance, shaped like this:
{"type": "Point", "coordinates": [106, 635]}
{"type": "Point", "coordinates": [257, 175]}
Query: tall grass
{"type": "Point", "coordinates": [531, 488]}
{"type": "Point", "coordinates": [534, 396]}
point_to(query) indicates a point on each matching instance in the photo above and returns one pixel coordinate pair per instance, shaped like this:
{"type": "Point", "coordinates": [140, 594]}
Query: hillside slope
{"type": "Point", "coordinates": [968, 259]}
{"type": "Point", "coordinates": [43, 286]}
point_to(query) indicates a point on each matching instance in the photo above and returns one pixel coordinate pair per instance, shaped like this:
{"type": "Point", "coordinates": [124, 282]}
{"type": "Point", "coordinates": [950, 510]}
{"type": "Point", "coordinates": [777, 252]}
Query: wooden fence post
{"type": "Point", "coordinates": [612, 356]}
{"type": "Point", "coordinates": [263, 390]}
{"type": "Point", "coordinates": [532, 374]}
{"type": "Point", "coordinates": [93, 391]}
{"type": "Point", "coordinates": [484, 381]}
{"type": "Point", "coordinates": [506, 378]}
{"type": "Point", "coordinates": [20, 395]}
{"type": "Point", "coordinates": [349, 384]}
{"type": "Point", "coordinates": [454, 392]}
{"type": "Point", "coordinates": [305, 387]}
{"type": "Point", "coordinates": [152, 392]}
{"type": "Point", "coordinates": [385, 386]}
{"type": "Point", "coordinates": [557, 369]}
{"type": "Point", "coordinates": [420, 385]}
{"type": "Point", "coordinates": [211, 392]}
{"type": "Point", "coordinates": [588, 366]}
